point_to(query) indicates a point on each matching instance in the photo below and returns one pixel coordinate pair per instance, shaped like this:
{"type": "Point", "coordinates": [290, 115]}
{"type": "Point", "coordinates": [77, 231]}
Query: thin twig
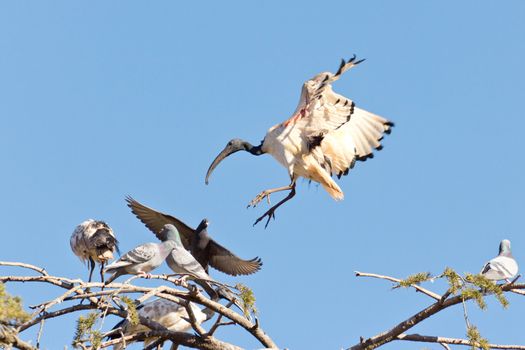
{"type": "Point", "coordinates": [24, 265]}
{"type": "Point", "coordinates": [397, 280]}
{"type": "Point", "coordinates": [39, 335]}
{"type": "Point", "coordinates": [453, 341]}
{"type": "Point", "coordinates": [465, 315]}
{"type": "Point", "coordinates": [193, 320]}
{"type": "Point", "coordinates": [218, 323]}
{"type": "Point", "coordinates": [57, 313]}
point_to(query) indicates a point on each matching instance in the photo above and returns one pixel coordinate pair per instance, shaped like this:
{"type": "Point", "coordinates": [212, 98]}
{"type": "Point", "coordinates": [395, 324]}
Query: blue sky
{"type": "Point", "coordinates": [106, 99]}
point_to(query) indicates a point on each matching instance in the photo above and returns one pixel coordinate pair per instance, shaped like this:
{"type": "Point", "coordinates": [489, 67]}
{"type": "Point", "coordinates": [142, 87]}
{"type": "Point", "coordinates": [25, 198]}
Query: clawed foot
{"type": "Point", "coordinates": [270, 214]}
{"type": "Point", "coordinates": [144, 275]}
{"type": "Point", "coordinates": [259, 198]}
{"type": "Point", "coordinates": [182, 281]}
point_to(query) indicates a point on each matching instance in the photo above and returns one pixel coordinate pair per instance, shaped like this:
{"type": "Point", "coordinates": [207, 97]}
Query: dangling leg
{"type": "Point", "coordinates": [91, 268]}
{"type": "Point", "coordinates": [271, 212]}
{"type": "Point", "coordinates": [102, 265]}
{"type": "Point", "coordinates": [266, 193]}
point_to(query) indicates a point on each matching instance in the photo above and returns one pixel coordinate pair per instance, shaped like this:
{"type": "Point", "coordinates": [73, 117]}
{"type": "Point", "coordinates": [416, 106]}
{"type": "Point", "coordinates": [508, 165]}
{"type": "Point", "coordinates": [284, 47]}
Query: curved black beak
{"type": "Point", "coordinates": [229, 149]}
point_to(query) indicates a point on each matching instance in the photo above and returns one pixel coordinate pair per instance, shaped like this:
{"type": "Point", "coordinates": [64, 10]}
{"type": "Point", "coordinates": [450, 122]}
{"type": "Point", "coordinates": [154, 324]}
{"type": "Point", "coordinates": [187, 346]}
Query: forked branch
{"type": "Point", "coordinates": [102, 297]}
{"type": "Point", "coordinates": [442, 302]}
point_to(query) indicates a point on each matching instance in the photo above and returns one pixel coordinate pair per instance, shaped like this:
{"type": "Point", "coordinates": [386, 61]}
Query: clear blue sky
{"type": "Point", "coordinates": [101, 100]}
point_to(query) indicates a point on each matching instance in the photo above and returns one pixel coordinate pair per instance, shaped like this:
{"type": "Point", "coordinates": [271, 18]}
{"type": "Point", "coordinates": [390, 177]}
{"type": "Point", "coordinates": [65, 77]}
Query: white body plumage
{"type": "Point", "coordinates": [502, 267]}
{"type": "Point", "coordinates": [326, 134]}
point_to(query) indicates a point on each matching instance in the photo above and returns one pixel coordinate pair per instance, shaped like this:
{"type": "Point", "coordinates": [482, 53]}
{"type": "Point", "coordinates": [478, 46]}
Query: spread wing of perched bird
{"type": "Point", "coordinates": [325, 136]}
{"type": "Point", "coordinates": [141, 259]}
{"type": "Point", "coordinates": [169, 314]}
{"type": "Point", "coordinates": [95, 242]}
{"type": "Point", "coordinates": [204, 248]}
{"type": "Point", "coordinates": [502, 267]}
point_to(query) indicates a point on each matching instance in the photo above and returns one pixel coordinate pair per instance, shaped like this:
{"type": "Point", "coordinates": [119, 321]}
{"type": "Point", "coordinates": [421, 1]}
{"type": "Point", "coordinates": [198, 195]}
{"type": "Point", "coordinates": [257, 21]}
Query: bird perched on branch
{"type": "Point", "coordinates": [141, 260]}
{"type": "Point", "coordinates": [204, 248]}
{"type": "Point", "coordinates": [167, 313]}
{"type": "Point", "coordinates": [325, 136]}
{"type": "Point", "coordinates": [181, 261]}
{"type": "Point", "coordinates": [95, 242]}
{"type": "Point", "coordinates": [502, 267]}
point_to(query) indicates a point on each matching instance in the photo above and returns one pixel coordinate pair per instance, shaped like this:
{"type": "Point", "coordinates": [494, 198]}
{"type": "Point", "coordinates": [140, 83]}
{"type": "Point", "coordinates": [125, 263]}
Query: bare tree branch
{"type": "Point", "coordinates": [10, 337]}
{"type": "Point", "coordinates": [218, 323]}
{"type": "Point", "coordinates": [192, 341]}
{"type": "Point", "coordinates": [392, 334]}
{"type": "Point", "coordinates": [397, 280]}
{"type": "Point", "coordinates": [24, 265]}
{"type": "Point", "coordinates": [454, 341]}
{"type": "Point", "coordinates": [58, 313]}
{"type": "Point", "coordinates": [78, 289]}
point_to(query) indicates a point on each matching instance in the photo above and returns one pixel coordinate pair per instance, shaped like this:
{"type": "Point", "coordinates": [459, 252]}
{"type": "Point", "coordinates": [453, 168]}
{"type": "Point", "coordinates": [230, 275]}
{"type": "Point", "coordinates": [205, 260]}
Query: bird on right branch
{"type": "Point", "coordinates": [502, 267]}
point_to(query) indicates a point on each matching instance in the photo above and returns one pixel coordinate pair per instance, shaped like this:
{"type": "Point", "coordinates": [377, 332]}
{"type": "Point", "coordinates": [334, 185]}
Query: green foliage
{"type": "Point", "coordinates": [247, 299]}
{"type": "Point", "coordinates": [11, 314]}
{"type": "Point", "coordinates": [453, 279]}
{"type": "Point", "coordinates": [133, 315]}
{"type": "Point", "coordinates": [473, 293]}
{"type": "Point", "coordinates": [488, 286]}
{"type": "Point", "coordinates": [416, 278]}
{"type": "Point", "coordinates": [476, 340]}
{"type": "Point", "coordinates": [11, 310]}
{"type": "Point", "coordinates": [474, 286]}
{"type": "Point", "coordinates": [84, 331]}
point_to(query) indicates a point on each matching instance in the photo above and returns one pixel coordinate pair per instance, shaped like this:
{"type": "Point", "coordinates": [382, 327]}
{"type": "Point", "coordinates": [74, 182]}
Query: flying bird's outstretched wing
{"type": "Point", "coordinates": [333, 127]}
{"type": "Point", "coordinates": [212, 253]}
{"type": "Point", "coordinates": [155, 221]}
{"type": "Point", "coordinates": [225, 261]}
{"type": "Point", "coordinates": [320, 108]}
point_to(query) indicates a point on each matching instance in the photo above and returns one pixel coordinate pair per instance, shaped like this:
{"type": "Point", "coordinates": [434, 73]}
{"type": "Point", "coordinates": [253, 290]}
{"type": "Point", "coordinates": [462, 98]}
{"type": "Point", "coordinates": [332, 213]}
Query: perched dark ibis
{"type": "Point", "coordinates": [94, 241]}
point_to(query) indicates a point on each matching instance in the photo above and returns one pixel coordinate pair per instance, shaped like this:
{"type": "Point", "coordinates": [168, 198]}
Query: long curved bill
{"type": "Point", "coordinates": [224, 153]}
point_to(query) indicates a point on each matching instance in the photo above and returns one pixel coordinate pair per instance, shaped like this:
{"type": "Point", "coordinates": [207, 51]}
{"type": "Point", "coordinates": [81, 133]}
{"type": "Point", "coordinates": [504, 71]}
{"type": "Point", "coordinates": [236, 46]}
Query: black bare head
{"type": "Point", "coordinates": [233, 146]}
{"type": "Point", "coordinates": [103, 239]}
{"type": "Point", "coordinates": [203, 225]}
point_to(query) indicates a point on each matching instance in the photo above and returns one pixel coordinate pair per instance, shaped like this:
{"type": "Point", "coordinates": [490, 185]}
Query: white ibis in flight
{"type": "Point", "coordinates": [325, 136]}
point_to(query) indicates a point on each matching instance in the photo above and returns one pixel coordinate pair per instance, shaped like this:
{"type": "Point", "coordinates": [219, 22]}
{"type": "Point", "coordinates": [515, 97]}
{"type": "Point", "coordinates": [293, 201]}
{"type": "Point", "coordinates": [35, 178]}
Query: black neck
{"type": "Point", "coordinates": [255, 150]}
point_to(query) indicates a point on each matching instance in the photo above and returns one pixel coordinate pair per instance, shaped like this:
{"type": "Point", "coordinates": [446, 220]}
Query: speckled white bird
{"type": "Point", "coordinates": [94, 242]}
{"type": "Point", "coordinates": [502, 267]}
{"type": "Point", "coordinates": [325, 136]}
{"type": "Point", "coordinates": [165, 312]}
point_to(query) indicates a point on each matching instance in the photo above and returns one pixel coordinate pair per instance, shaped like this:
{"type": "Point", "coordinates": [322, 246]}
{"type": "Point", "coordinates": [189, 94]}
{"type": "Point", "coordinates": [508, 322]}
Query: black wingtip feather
{"type": "Point", "coordinates": [340, 67]}
{"type": "Point", "coordinates": [365, 157]}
